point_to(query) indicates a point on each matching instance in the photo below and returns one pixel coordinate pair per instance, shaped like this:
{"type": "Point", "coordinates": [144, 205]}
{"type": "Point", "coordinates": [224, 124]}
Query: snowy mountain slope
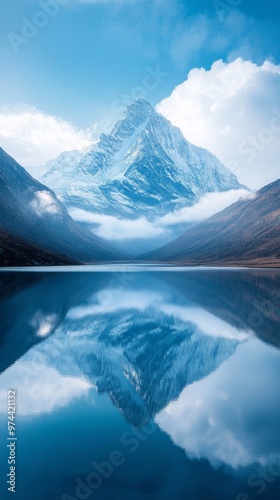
{"type": "Point", "coordinates": [145, 167]}
{"type": "Point", "coordinates": [65, 163]}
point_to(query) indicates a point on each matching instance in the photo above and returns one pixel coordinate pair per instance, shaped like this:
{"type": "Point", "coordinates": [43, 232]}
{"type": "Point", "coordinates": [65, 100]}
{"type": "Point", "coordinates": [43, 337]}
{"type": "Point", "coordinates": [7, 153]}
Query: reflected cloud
{"type": "Point", "coordinates": [206, 322]}
{"type": "Point", "coordinates": [46, 390]}
{"type": "Point", "coordinates": [44, 324]}
{"type": "Point", "coordinates": [232, 416]}
{"type": "Point", "coordinates": [111, 300]}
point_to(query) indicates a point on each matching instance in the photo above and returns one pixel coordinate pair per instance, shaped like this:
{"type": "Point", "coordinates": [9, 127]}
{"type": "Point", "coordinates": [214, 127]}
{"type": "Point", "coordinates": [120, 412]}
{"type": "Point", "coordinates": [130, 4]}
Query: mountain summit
{"type": "Point", "coordinates": [144, 168]}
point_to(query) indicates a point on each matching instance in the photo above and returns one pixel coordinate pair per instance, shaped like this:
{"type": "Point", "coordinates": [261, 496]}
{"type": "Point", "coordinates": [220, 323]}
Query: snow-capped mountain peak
{"type": "Point", "coordinates": [144, 168]}
{"type": "Point", "coordinates": [137, 113]}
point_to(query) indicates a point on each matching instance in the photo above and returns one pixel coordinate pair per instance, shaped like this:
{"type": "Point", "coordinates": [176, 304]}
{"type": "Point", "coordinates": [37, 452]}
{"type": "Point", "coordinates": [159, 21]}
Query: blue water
{"type": "Point", "coordinates": [141, 383]}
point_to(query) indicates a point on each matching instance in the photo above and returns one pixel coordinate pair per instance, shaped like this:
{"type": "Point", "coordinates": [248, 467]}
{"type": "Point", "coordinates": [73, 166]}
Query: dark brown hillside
{"type": "Point", "coordinates": [246, 233]}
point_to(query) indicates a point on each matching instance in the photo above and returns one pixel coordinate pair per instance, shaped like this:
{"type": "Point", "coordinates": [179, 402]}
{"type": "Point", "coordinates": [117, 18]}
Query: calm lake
{"type": "Point", "coordinates": [141, 384]}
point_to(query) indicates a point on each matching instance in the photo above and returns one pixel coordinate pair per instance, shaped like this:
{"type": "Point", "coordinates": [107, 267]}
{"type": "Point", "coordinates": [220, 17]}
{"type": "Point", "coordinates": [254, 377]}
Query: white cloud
{"type": "Point", "coordinates": [233, 111]}
{"type": "Point", "coordinates": [208, 205]}
{"type": "Point", "coordinates": [33, 137]}
{"type": "Point", "coordinates": [44, 203]}
{"type": "Point", "coordinates": [112, 228]}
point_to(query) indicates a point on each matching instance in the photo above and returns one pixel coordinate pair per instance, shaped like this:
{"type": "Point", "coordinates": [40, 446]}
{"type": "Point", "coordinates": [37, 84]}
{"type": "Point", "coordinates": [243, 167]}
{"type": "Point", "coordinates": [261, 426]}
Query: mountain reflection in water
{"type": "Point", "coordinates": [98, 356]}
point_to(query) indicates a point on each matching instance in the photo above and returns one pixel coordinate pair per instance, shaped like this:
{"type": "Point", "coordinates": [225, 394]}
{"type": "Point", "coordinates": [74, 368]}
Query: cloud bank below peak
{"type": "Point", "coordinates": [116, 229]}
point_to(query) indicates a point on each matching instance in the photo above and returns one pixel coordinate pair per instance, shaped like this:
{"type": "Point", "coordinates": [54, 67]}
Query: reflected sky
{"type": "Point", "coordinates": [195, 355]}
{"type": "Point", "coordinates": [232, 416]}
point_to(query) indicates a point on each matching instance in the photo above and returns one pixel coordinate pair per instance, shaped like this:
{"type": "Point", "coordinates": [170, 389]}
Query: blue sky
{"type": "Point", "coordinates": [91, 53]}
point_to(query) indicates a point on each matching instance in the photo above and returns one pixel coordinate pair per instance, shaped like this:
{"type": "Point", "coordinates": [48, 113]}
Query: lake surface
{"type": "Point", "coordinates": [141, 383]}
